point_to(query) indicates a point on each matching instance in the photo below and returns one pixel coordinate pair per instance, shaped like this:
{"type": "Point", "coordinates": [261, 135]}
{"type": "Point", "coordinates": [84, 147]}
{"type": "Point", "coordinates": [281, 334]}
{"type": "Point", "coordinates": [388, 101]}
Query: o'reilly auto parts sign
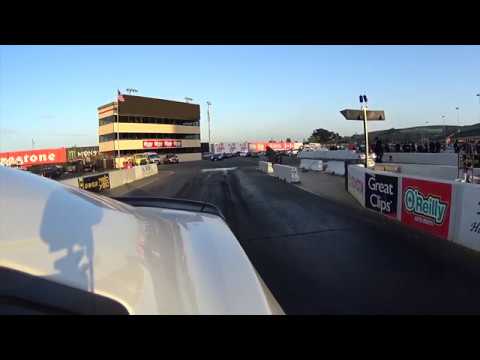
{"type": "Point", "coordinates": [381, 193]}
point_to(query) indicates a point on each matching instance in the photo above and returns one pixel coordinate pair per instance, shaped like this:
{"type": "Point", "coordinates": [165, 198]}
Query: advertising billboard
{"type": "Point", "coordinates": [161, 144]}
{"type": "Point", "coordinates": [426, 205]}
{"type": "Point", "coordinates": [34, 157]}
{"type": "Point", "coordinates": [83, 152]}
{"type": "Point", "coordinates": [381, 192]}
{"type": "Point", "coordinates": [230, 148]}
{"type": "Point", "coordinates": [468, 228]}
{"type": "Point", "coordinates": [356, 183]}
{"type": "Point", "coordinates": [95, 183]}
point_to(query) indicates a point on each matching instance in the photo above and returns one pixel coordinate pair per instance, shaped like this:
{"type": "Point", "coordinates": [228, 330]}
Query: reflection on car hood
{"type": "Point", "coordinates": [153, 261]}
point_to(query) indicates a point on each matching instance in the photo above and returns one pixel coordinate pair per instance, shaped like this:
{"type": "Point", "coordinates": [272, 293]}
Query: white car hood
{"type": "Point", "coordinates": [153, 261]}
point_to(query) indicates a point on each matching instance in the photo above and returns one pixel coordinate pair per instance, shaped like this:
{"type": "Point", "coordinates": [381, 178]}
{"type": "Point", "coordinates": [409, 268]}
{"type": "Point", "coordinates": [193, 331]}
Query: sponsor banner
{"type": "Point", "coordinates": [426, 205]}
{"type": "Point", "coordinates": [381, 192]}
{"type": "Point", "coordinates": [95, 183]}
{"type": "Point", "coordinates": [84, 152]}
{"type": "Point", "coordinates": [148, 169]}
{"type": "Point", "coordinates": [230, 148]}
{"type": "Point", "coordinates": [161, 144]}
{"type": "Point", "coordinates": [468, 227]}
{"type": "Point", "coordinates": [356, 183]}
{"type": "Point", "coordinates": [34, 157]}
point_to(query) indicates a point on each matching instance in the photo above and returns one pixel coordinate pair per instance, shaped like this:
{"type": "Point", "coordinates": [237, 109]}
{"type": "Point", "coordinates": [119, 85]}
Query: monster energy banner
{"type": "Point", "coordinates": [95, 183]}
{"type": "Point", "coordinates": [84, 152]}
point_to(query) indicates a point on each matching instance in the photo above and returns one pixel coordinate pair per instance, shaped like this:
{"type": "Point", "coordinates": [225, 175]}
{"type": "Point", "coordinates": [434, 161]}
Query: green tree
{"type": "Point", "coordinates": [323, 136]}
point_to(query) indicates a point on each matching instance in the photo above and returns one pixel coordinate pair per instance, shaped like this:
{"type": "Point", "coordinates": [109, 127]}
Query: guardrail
{"type": "Point", "coordinates": [446, 209]}
{"type": "Point", "coordinates": [287, 173]}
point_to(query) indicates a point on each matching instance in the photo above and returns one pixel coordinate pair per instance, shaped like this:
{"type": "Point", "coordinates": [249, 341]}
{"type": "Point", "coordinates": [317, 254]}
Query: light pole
{"type": "Point", "coordinates": [478, 95]}
{"type": "Point", "coordinates": [208, 115]}
{"type": "Point", "coordinates": [444, 129]}
{"type": "Point", "coordinates": [363, 99]}
{"type": "Point", "coordinates": [458, 115]}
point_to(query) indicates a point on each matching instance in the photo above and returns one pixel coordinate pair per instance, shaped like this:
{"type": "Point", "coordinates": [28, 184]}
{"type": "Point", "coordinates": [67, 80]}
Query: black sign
{"type": "Point", "coordinates": [95, 183]}
{"type": "Point", "coordinates": [381, 193]}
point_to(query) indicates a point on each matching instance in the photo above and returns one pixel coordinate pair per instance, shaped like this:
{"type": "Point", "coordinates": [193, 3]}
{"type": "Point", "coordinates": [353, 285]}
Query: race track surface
{"type": "Point", "coordinates": [321, 257]}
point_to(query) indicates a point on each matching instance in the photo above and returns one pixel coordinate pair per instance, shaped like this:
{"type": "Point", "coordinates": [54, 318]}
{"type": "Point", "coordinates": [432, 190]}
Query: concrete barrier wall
{"type": "Point", "coordinates": [442, 172]}
{"type": "Point", "coordinates": [336, 168]}
{"type": "Point", "coordinates": [121, 177]}
{"type": "Point", "coordinates": [448, 159]}
{"type": "Point", "coordinates": [310, 164]}
{"type": "Point", "coordinates": [265, 166]}
{"type": "Point", "coordinates": [447, 209]}
{"type": "Point", "coordinates": [287, 173]}
{"type": "Point", "coordinates": [71, 182]}
{"type": "Point", "coordinates": [189, 157]}
{"type": "Point", "coordinates": [329, 155]}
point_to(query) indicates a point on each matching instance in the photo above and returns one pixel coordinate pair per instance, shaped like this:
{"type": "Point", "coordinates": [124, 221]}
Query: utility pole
{"type": "Point", "coordinates": [208, 115]}
{"type": "Point", "coordinates": [478, 95]}
{"type": "Point", "coordinates": [33, 144]}
{"type": "Point", "coordinates": [363, 99]}
{"type": "Point", "coordinates": [444, 128]}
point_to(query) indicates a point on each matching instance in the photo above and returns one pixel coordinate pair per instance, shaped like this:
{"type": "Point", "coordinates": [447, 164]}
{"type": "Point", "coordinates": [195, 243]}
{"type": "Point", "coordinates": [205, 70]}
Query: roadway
{"type": "Point", "coordinates": [319, 256]}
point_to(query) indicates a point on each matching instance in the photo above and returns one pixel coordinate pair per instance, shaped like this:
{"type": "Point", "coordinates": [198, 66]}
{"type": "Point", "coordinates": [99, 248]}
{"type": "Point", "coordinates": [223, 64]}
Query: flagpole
{"type": "Point", "coordinates": [118, 125]}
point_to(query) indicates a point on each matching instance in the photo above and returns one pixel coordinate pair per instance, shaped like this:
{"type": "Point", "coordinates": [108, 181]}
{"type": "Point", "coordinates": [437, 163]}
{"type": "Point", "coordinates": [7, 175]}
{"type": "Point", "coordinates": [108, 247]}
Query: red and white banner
{"type": "Point", "coordinates": [277, 146]}
{"type": "Point", "coordinates": [161, 144]}
{"type": "Point", "coordinates": [426, 205]}
{"type": "Point", "coordinates": [34, 157]}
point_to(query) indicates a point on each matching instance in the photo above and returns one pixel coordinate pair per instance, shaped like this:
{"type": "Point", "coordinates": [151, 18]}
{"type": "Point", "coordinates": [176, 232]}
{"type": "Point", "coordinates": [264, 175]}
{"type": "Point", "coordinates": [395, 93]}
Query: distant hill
{"type": "Point", "coordinates": [420, 133]}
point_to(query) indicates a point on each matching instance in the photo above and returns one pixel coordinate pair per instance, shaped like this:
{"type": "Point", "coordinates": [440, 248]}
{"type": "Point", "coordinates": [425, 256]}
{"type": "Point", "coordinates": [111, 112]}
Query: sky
{"type": "Point", "coordinates": [51, 93]}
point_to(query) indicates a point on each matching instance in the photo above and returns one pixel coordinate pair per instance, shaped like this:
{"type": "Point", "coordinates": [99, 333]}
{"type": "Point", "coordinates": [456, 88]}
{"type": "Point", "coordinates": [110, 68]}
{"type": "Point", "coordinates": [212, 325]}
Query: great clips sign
{"type": "Point", "coordinates": [381, 193]}
{"type": "Point", "coordinates": [34, 157]}
{"type": "Point", "coordinates": [426, 205]}
{"type": "Point", "coordinates": [160, 144]}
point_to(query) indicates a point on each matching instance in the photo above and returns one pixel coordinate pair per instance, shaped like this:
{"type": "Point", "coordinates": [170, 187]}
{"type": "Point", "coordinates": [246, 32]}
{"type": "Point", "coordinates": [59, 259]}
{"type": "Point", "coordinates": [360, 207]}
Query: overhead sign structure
{"type": "Point", "coordinates": [372, 115]}
{"type": "Point", "coordinates": [365, 115]}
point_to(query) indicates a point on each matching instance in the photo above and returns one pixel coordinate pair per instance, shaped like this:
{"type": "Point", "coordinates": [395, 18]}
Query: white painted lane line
{"type": "Point", "coordinates": [219, 169]}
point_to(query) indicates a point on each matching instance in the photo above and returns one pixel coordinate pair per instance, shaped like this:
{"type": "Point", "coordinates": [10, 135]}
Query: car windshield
{"type": "Point", "coordinates": [348, 175]}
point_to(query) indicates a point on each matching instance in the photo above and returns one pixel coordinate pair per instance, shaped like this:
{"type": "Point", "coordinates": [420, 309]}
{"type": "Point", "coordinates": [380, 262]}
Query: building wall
{"type": "Point", "coordinates": [148, 128]}
{"type": "Point", "coordinates": [139, 105]}
{"type": "Point", "coordinates": [149, 107]}
{"type": "Point", "coordinates": [138, 145]}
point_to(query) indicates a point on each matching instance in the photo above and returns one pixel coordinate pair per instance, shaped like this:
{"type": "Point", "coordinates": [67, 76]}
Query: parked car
{"type": "Point", "coordinates": [91, 254]}
{"type": "Point", "coordinates": [244, 154]}
{"type": "Point", "coordinates": [217, 157]}
{"type": "Point", "coordinates": [49, 171]}
{"type": "Point", "coordinates": [171, 159]}
{"type": "Point", "coordinates": [140, 159]}
{"type": "Point", "coordinates": [153, 158]}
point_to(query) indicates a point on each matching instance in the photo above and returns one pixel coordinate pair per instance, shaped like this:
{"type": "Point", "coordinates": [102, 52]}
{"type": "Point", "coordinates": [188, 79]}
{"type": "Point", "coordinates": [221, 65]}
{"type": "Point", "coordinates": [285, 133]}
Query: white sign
{"type": "Point", "coordinates": [356, 183]}
{"type": "Point", "coordinates": [468, 231]}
